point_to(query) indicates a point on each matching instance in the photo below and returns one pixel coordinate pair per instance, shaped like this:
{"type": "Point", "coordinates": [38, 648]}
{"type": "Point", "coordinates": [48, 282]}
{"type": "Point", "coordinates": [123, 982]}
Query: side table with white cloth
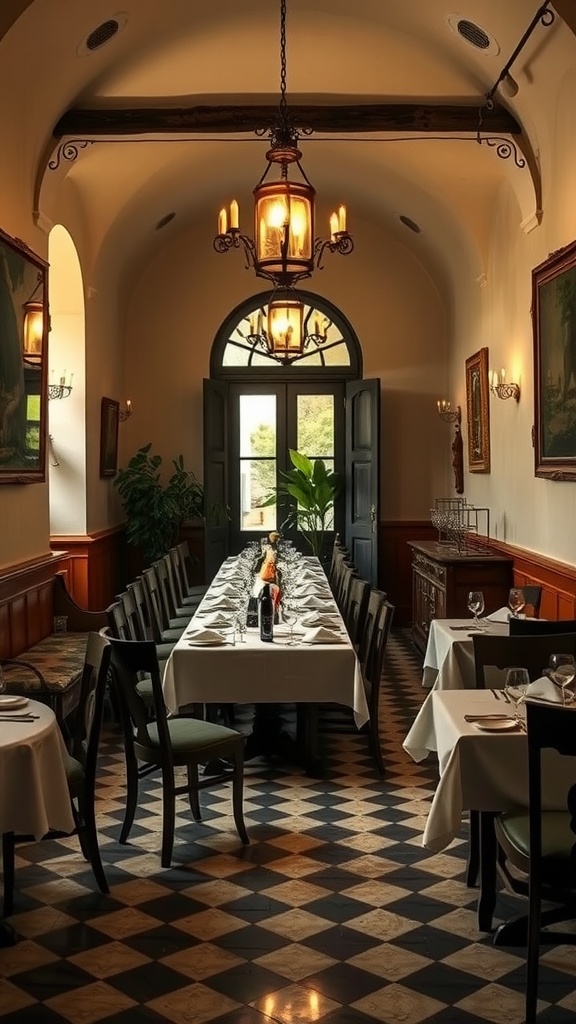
{"type": "Point", "coordinates": [482, 771]}
{"type": "Point", "coordinates": [34, 794]}
{"type": "Point", "coordinates": [449, 656]}
{"type": "Point", "coordinates": [257, 672]}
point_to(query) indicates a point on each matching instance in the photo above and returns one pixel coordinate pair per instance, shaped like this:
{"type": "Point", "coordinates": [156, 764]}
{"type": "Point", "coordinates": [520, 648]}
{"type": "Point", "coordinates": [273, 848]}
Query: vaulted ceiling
{"type": "Point", "coordinates": [160, 118]}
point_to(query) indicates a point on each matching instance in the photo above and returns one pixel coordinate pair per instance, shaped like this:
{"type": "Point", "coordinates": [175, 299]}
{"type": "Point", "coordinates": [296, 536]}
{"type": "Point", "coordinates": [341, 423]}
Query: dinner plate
{"type": "Point", "coordinates": [502, 725]}
{"type": "Point", "coordinates": [207, 643]}
{"type": "Point", "coordinates": [7, 702]}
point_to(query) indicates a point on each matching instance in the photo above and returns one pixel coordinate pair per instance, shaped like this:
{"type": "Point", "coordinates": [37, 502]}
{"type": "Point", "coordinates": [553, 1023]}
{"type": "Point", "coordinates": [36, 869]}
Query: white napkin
{"type": "Point", "coordinates": [320, 619]}
{"type": "Point", "coordinates": [322, 635]}
{"type": "Point", "coordinates": [312, 601]}
{"type": "Point", "coordinates": [545, 689]}
{"type": "Point", "coordinates": [225, 588]}
{"type": "Point", "coordinates": [312, 588]}
{"type": "Point", "coordinates": [503, 615]}
{"type": "Point", "coordinates": [212, 619]}
{"type": "Point", "coordinates": [205, 637]}
{"type": "Point", "coordinates": [218, 601]}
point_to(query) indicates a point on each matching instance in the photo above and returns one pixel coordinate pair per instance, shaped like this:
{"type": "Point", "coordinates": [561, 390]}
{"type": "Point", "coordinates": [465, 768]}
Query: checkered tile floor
{"type": "Point", "coordinates": [333, 914]}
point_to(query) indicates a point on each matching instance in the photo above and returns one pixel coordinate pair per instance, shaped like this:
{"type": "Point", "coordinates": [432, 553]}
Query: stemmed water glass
{"type": "Point", "coordinates": [476, 606]}
{"type": "Point", "coordinates": [290, 617]}
{"type": "Point", "coordinates": [562, 670]}
{"type": "Point", "coordinates": [516, 686]}
{"type": "Point", "coordinates": [516, 601]}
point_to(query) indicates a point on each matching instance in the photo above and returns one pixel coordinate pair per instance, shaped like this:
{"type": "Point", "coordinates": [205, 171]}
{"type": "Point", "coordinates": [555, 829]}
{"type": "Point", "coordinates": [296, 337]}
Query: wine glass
{"type": "Point", "coordinates": [516, 601]}
{"type": "Point", "coordinates": [476, 606]}
{"type": "Point", "coordinates": [290, 617]}
{"type": "Point", "coordinates": [515, 687]}
{"type": "Point", "coordinates": [562, 670]}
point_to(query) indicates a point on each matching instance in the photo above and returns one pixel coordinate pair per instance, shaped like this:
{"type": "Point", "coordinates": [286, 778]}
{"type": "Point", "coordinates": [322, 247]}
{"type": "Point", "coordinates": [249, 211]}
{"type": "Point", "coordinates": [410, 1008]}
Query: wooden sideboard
{"type": "Point", "coordinates": [442, 578]}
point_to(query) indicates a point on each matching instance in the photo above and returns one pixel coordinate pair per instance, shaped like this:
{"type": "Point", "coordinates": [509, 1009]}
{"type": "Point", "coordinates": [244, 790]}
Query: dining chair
{"type": "Point", "coordinates": [162, 744]}
{"type": "Point", "coordinates": [532, 596]}
{"type": "Point", "coordinates": [181, 560]}
{"type": "Point", "coordinates": [80, 766]}
{"type": "Point", "coordinates": [356, 608]}
{"type": "Point", "coordinates": [167, 629]}
{"type": "Point", "coordinates": [184, 603]}
{"type": "Point", "coordinates": [372, 674]}
{"type": "Point", "coordinates": [536, 627]}
{"type": "Point", "coordinates": [541, 844]}
{"type": "Point", "coordinates": [147, 623]}
{"type": "Point", "coordinates": [492, 656]}
{"type": "Point", "coordinates": [176, 614]}
{"type": "Point", "coordinates": [375, 599]}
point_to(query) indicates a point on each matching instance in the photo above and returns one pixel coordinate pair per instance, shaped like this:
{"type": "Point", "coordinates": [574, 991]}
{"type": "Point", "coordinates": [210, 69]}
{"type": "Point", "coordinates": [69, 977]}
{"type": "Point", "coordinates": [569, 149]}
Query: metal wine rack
{"type": "Point", "coordinates": [462, 527]}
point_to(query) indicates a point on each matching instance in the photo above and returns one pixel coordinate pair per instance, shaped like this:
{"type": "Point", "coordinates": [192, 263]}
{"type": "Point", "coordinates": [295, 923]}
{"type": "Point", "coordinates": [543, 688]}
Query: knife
{"type": "Point", "coordinates": [486, 718]}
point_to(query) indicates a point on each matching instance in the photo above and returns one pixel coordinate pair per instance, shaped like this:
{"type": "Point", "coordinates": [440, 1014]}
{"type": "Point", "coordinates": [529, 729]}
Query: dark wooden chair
{"type": "Point", "coordinates": [164, 743]}
{"type": "Point", "coordinates": [356, 608]}
{"type": "Point", "coordinates": [532, 596]}
{"type": "Point", "coordinates": [537, 627]}
{"type": "Point", "coordinates": [80, 770]}
{"type": "Point", "coordinates": [541, 844]}
{"type": "Point", "coordinates": [182, 563]}
{"type": "Point", "coordinates": [372, 674]}
{"type": "Point", "coordinates": [166, 629]}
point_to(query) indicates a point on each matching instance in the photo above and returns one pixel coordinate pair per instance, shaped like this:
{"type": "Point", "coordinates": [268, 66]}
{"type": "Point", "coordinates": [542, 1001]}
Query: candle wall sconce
{"type": "Point", "coordinates": [499, 386]}
{"type": "Point", "coordinates": [62, 389]}
{"type": "Point", "coordinates": [125, 412]}
{"type": "Point", "coordinates": [450, 415]}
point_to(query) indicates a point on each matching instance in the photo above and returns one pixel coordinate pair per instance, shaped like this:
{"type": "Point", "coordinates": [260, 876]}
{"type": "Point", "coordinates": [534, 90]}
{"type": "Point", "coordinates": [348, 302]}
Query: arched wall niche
{"type": "Point", "coordinates": [67, 360]}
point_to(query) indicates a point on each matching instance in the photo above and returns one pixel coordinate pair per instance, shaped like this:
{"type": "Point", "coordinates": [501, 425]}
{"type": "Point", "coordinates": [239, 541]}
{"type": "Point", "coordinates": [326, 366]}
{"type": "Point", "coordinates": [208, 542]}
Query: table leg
{"type": "Point", "coordinates": [487, 896]}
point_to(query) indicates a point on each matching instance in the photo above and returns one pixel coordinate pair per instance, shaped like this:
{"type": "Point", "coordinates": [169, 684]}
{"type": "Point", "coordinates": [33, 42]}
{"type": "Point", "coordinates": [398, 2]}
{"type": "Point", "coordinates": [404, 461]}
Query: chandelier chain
{"type": "Point", "coordinates": [283, 101]}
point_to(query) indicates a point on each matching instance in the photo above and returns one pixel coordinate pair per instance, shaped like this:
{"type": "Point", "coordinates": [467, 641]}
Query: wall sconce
{"type": "Point", "coordinates": [447, 413]}
{"type": "Point", "coordinates": [499, 387]}
{"type": "Point", "coordinates": [33, 329]}
{"type": "Point", "coordinates": [126, 412]}
{"type": "Point", "coordinates": [450, 415]}
{"type": "Point", "coordinates": [62, 389]}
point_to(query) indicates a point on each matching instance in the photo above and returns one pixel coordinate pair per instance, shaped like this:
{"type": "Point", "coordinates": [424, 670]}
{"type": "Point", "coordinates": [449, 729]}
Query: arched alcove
{"type": "Point", "coordinates": [66, 360]}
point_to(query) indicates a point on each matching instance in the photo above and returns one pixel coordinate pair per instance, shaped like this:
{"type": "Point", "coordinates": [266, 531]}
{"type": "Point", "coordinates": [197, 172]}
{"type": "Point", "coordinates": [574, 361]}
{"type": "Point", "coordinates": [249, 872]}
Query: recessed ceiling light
{"type": "Point", "coordinates": [164, 221]}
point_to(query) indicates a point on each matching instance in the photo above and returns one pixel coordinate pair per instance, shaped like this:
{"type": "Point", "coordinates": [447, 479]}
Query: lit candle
{"type": "Point", "coordinates": [251, 324]}
{"type": "Point", "coordinates": [70, 381]}
{"type": "Point", "coordinates": [128, 406]}
{"type": "Point", "coordinates": [233, 214]}
{"type": "Point", "coordinates": [342, 218]}
{"type": "Point", "coordinates": [259, 322]}
{"type": "Point", "coordinates": [502, 376]}
{"type": "Point", "coordinates": [494, 380]}
{"type": "Point", "coordinates": [63, 378]}
{"type": "Point", "coordinates": [333, 225]}
{"type": "Point", "coordinates": [222, 222]}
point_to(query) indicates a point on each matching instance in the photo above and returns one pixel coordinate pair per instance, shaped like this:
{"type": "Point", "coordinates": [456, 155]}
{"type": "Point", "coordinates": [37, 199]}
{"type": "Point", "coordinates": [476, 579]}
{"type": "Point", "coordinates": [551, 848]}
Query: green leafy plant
{"type": "Point", "coordinates": [315, 490]}
{"type": "Point", "coordinates": [155, 511]}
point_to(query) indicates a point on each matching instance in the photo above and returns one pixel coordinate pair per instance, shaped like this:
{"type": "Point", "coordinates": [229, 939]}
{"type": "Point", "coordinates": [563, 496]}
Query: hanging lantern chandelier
{"type": "Point", "coordinates": [283, 249]}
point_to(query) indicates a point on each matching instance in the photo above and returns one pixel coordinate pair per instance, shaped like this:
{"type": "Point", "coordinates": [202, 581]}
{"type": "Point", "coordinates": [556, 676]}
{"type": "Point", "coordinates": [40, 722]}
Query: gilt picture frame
{"type": "Point", "coordinates": [554, 331]}
{"type": "Point", "coordinates": [23, 362]}
{"type": "Point", "coordinates": [478, 412]}
{"type": "Point", "coordinates": [109, 420]}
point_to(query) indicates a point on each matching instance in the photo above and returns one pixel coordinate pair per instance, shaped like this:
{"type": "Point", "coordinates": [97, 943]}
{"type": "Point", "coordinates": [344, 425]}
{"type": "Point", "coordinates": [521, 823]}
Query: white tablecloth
{"type": "Point", "coordinates": [478, 770]}
{"type": "Point", "coordinates": [449, 656]}
{"type": "Point", "coordinates": [34, 795]}
{"type": "Point", "coordinates": [256, 672]}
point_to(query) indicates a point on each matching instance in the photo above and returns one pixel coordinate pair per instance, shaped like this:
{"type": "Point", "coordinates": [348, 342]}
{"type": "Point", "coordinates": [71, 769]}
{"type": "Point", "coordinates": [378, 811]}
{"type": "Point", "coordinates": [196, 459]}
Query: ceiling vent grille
{"type": "Point", "coordinates": [473, 34]}
{"type": "Point", "coordinates": [164, 221]}
{"type": "Point", "coordinates": [102, 34]}
{"type": "Point", "coordinates": [409, 223]}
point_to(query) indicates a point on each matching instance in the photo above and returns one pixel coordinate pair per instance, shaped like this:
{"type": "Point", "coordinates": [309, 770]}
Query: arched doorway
{"type": "Point", "coordinates": [256, 409]}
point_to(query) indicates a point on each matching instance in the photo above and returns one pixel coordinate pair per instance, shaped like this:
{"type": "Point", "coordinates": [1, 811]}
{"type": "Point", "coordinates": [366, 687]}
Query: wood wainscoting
{"type": "Point", "coordinates": [557, 579]}
{"type": "Point", "coordinates": [95, 566]}
{"type": "Point", "coordinates": [26, 605]}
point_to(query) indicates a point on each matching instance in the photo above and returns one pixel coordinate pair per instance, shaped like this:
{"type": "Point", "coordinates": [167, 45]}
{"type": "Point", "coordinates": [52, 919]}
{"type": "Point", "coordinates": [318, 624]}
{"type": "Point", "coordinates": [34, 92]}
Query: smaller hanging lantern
{"type": "Point", "coordinates": [285, 334]}
{"type": "Point", "coordinates": [33, 330]}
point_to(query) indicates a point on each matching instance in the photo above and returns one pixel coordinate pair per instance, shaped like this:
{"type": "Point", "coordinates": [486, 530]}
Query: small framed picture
{"type": "Point", "coordinates": [478, 410]}
{"type": "Point", "coordinates": [110, 415]}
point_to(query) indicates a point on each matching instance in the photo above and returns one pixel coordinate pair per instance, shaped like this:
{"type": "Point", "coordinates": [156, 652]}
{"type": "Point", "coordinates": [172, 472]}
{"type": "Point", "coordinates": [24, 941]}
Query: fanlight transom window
{"type": "Point", "coordinates": [245, 344]}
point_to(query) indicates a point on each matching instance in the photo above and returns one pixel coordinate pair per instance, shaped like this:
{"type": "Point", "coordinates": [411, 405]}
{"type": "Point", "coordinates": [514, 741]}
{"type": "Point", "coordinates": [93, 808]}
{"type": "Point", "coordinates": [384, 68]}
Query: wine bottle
{"type": "Point", "coordinates": [266, 613]}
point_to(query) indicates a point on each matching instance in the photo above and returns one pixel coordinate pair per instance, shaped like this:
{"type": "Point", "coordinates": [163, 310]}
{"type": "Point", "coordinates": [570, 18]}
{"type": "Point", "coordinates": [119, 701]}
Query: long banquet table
{"type": "Point", "coordinates": [255, 672]}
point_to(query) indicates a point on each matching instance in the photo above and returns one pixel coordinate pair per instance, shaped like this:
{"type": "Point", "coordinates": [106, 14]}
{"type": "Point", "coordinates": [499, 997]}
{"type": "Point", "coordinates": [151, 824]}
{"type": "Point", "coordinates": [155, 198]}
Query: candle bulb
{"type": "Point", "coordinates": [502, 376]}
{"type": "Point", "coordinates": [128, 406]}
{"type": "Point", "coordinates": [494, 379]}
{"type": "Point", "coordinates": [342, 218]}
{"type": "Point", "coordinates": [333, 226]}
{"type": "Point", "coordinates": [222, 222]}
{"type": "Point", "coordinates": [234, 215]}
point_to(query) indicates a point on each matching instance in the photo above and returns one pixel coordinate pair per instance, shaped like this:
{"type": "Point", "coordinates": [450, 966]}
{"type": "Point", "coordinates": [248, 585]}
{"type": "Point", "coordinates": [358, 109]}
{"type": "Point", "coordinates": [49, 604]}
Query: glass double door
{"type": "Point", "coordinates": [265, 422]}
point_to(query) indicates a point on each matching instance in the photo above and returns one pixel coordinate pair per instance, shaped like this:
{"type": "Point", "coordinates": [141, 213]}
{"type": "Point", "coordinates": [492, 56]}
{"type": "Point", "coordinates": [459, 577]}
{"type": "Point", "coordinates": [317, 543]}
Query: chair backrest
{"type": "Point", "coordinates": [356, 607]}
{"type": "Point", "coordinates": [88, 716]}
{"type": "Point", "coordinates": [118, 621]}
{"type": "Point", "coordinates": [536, 627]}
{"type": "Point", "coordinates": [128, 603]}
{"type": "Point", "coordinates": [165, 576]}
{"type": "Point", "coordinates": [347, 573]}
{"type": "Point", "coordinates": [179, 573]}
{"type": "Point", "coordinates": [368, 626]}
{"type": "Point", "coordinates": [494, 654]}
{"type": "Point", "coordinates": [158, 611]}
{"type": "Point", "coordinates": [548, 727]}
{"type": "Point", "coordinates": [377, 651]}
{"type": "Point", "coordinates": [532, 596]}
{"type": "Point", "coordinates": [129, 660]}
{"type": "Point", "coordinates": [187, 561]}
{"type": "Point", "coordinates": [146, 620]}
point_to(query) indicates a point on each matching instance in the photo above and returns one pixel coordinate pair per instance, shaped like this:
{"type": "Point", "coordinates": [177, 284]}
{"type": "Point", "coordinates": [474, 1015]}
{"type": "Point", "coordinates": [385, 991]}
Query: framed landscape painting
{"type": "Point", "coordinates": [23, 363]}
{"type": "Point", "coordinates": [478, 410]}
{"type": "Point", "coordinates": [554, 329]}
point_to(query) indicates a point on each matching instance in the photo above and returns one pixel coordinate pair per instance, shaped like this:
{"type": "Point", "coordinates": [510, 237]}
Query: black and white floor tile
{"type": "Point", "coordinates": [333, 914]}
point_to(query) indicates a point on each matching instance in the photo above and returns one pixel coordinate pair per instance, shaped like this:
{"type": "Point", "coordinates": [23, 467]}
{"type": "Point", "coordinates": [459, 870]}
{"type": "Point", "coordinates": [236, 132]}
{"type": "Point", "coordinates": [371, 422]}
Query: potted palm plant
{"type": "Point", "coordinates": [315, 490]}
{"type": "Point", "coordinates": [155, 511]}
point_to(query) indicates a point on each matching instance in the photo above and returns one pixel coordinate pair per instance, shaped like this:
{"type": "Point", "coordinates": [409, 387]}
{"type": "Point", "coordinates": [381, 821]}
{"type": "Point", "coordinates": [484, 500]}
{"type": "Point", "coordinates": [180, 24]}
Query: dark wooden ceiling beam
{"type": "Point", "coordinates": [329, 119]}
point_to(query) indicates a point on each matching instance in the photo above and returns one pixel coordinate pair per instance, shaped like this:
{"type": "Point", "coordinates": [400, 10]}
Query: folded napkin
{"type": "Point", "coordinates": [312, 588]}
{"type": "Point", "coordinates": [503, 615]}
{"type": "Point", "coordinates": [322, 635]}
{"type": "Point", "coordinates": [205, 637]}
{"type": "Point", "coordinates": [545, 689]}
{"type": "Point", "coordinates": [312, 601]}
{"type": "Point", "coordinates": [225, 588]}
{"type": "Point", "coordinates": [212, 619]}
{"type": "Point", "coordinates": [218, 601]}
{"type": "Point", "coordinates": [320, 619]}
